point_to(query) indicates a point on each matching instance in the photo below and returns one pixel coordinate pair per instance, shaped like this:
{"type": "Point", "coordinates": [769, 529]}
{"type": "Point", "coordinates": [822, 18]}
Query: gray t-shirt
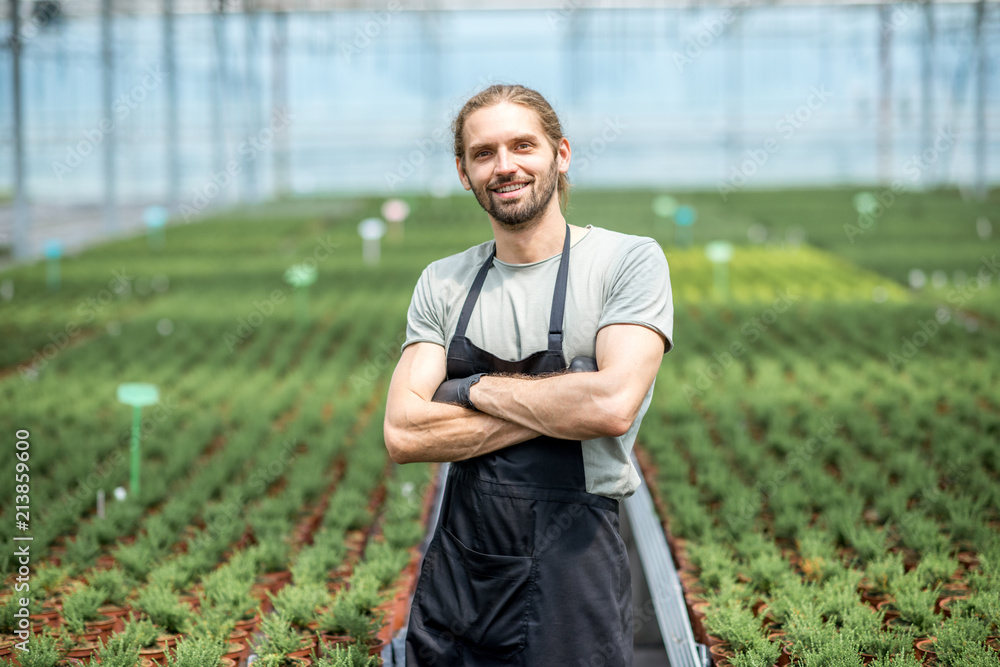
{"type": "Point", "coordinates": [614, 278]}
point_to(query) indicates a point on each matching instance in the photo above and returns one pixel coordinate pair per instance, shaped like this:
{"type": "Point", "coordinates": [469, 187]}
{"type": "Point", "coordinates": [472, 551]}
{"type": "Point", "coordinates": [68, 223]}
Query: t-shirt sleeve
{"type": "Point", "coordinates": [639, 292]}
{"type": "Point", "coordinates": [424, 318]}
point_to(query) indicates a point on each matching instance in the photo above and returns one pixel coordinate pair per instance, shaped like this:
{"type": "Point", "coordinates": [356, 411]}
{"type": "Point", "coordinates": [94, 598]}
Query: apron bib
{"type": "Point", "coordinates": [525, 567]}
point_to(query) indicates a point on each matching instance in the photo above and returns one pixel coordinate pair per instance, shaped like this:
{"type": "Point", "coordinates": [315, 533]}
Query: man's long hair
{"type": "Point", "coordinates": [526, 97]}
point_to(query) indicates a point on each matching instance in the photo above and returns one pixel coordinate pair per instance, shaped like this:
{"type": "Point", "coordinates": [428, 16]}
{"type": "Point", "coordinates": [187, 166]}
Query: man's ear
{"type": "Point", "coordinates": [462, 176]}
{"type": "Point", "coordinates": [564, 154]}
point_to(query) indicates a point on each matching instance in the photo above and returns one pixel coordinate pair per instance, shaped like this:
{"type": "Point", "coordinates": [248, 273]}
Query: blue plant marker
{"type": "Point", "coordinates": [684, 218]}
{"type": "Point", "coordinates": [155, 218]}
{"type": "Point", "coordinates": [719, 253]}
{"type": "Point", "coordinates": [137, 394]}
{"type": "Point", "coordinates": [301, 276]}
{"type": "Point", "coordinates": [53, 251]}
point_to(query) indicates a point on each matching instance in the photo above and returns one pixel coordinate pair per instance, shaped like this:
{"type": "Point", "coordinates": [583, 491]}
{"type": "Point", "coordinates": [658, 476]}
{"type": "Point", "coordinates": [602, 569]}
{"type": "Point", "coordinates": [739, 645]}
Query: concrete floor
{"type": "Point", "coordinates": [651, 657]}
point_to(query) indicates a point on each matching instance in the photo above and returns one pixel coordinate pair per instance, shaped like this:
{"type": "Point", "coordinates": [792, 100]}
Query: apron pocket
{"type": "Point", "coordinates": [478, 600]}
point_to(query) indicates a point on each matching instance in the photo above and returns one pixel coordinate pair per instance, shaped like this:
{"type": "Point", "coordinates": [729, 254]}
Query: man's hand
{"type": "Point", "coordinates": [583, 365]}
{"type": "Point", "coordinates": [456, 391]}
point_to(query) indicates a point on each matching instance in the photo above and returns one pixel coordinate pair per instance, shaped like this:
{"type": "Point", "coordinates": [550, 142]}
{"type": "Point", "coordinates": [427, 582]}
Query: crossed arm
{"type": "Point", "coordinates": [574, 406]}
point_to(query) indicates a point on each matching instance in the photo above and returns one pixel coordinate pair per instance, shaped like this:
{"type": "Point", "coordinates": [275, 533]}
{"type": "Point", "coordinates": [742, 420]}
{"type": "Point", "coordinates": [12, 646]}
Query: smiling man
{"type": "Point", "coordinates": [526, 565]}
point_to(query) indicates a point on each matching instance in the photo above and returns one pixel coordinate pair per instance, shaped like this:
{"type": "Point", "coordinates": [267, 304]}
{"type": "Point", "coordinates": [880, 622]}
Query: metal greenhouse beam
{"type": "Point", "coordinates": [927, 90]}
{"type": "Point", "coordinates": [107, 101]}
{"type": "Point", "coordinates": [173, 150]}
{"type": "Point", "coordinates": [664, 584]}
{"type": "Point", "coordinates": [20, 240]}
{"type": "Point", "coordinates": [884, 127]}
{"type": "Point", "coordinates": [981, 65]}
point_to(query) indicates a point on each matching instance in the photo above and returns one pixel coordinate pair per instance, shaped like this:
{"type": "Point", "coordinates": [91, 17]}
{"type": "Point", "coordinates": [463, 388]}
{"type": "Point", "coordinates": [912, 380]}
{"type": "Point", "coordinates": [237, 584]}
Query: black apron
{"type": "Point", "coordinates": [525, 566]}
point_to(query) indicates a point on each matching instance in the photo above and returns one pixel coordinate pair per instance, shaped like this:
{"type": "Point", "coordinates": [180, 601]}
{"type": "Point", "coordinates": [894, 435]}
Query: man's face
{"type": "Point", "coordinates": [509, 165]}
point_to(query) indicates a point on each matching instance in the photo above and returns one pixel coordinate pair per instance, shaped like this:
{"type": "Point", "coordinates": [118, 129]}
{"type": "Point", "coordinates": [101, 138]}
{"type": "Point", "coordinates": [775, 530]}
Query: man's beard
{"type": "Point", "coordinates": [523, 214]}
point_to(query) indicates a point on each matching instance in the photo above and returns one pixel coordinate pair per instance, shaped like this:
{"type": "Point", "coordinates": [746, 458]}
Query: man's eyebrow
{"type": "Point", "coordinates": [475, 148]}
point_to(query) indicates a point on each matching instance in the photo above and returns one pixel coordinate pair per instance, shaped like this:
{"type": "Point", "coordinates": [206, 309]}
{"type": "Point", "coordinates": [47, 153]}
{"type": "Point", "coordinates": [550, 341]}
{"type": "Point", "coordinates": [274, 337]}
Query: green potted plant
{"type": "Point", "coordinates": [901, 659]}
{"type": "Point", "coordinates": [735, 625]}
{"type": "Point", "coordinates": [115, 588]}
{"type": "Point", "coordinates": [119, 651]}
{"type": "Point", "coordinates": [272, 563]}
{"type": "Point", "coordinates": [806, 631]}
{"type": "Point", "coordinates": [403, 534]}
{"type": "Point", "coordinates": [346, 656]}
{"type": "Point", "coordinates": [312, 566]}
{"type": "Point", "coordinates": [300, 603]}
{"type": "Point", "coordinates": [197, 651]}
{"type": "Point", "coordinates": [915, 604]}
{"type": "Point", "coordinates": [144, 634]}
{"type": "Point", "coordinates": [45, 651]}
{"type": "Point", "coordinates": [165, 609]}
{"type": "Point", "coordinates": [228, 591]}
{"type": "Point", "coordinates": [82, 551]}
{"type": "Point", "coordinates": [383, 562]}
{"type": "Point", "coordinates": [957, 636]}
{"type": "Point", "coordinates": [220, 625]}
{"type": "Point", "coordinates": [936, 569]}
{"type": "Point", "coordinates": [280, 641]}
{"type": "Point", "coordinates": [818, 558]}
{"type": "Point", "coordinates": [838, 650]}
{"type": "Point", "coordinates": [80, 613]}
{"type": "Point", "coordinates": [881, 575]}
{"type": "Point", "coordinates": [75, 647]}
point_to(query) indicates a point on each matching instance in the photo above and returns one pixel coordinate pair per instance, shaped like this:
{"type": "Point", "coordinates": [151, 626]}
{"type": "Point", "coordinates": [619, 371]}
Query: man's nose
{"type": "Point", "coordinates": [504, 162]}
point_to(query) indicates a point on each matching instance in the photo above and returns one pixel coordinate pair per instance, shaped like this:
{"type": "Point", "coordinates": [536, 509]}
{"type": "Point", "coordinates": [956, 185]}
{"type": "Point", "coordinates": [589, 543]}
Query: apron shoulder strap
{"type": "Point", "coordinates": [559, 299]}
{"type": "Point", "coordinates": [473, 296]}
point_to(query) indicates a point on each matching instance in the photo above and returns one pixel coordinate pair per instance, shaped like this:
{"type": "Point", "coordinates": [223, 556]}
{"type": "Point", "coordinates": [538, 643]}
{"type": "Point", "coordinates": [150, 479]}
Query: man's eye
{"type": "Point", "coordinates": [481, 153]}
{"type": "Point", "coordinates": [524, 145]}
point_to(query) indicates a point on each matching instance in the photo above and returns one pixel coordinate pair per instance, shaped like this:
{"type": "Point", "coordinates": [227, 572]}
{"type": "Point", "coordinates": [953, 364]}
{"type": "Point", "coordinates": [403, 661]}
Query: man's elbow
{"type": "Point", "coordinates": [396, 443]}
{"type": "Point", "coordinates": [616, 426]}
{"type": "Point", "coordinates": [617, 418]}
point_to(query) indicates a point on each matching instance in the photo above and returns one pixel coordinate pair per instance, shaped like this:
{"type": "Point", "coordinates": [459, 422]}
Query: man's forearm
{"type": "Point", "coordinates": [439, 432]}
{"type": "Point", "coordinates": [574, 406]}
